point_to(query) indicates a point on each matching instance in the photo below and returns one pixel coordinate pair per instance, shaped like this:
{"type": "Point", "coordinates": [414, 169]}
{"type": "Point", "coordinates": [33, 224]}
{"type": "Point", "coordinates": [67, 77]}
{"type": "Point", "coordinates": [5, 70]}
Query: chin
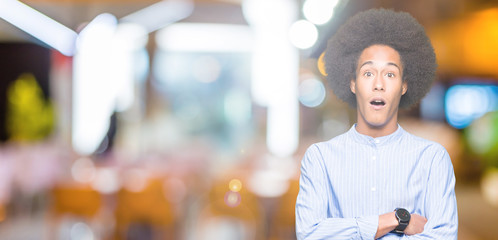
{"type": "Point", "coordinates": [377, 122]}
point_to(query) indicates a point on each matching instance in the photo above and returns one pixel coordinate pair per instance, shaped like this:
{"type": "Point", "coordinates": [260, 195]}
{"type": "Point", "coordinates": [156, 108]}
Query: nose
{"type": "Point", "coordinates": [378, 84]}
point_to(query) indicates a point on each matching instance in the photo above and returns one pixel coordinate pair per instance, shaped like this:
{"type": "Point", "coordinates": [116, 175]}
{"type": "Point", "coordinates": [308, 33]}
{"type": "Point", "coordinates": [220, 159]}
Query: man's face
{"type": "Point", "coordinates": [378, 87]}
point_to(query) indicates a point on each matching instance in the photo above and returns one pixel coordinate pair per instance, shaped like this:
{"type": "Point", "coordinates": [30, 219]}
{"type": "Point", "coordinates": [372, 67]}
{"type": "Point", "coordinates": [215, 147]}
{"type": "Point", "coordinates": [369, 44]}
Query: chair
{"type": "Point", "coordinates": [71, 203]}
{"type": "Point", "coordinates": [228, 214]}
{"type": "Point", "coordinates": [144, 214]}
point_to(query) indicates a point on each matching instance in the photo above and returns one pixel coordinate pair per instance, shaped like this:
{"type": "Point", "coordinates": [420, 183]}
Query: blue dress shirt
{"type": "Point", "coordinates": [348, 181]}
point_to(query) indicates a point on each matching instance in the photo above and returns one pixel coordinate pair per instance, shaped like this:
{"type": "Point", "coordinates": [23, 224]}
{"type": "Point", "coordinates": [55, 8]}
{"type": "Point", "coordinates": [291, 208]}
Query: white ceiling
{"type": "Point", "coordinates": [75, 13]}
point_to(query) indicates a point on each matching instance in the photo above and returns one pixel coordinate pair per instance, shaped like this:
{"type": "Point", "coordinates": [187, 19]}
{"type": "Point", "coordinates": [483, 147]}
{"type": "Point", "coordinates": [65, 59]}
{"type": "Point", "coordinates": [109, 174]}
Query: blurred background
{"type": "Point", "coordinates": [188, 119]}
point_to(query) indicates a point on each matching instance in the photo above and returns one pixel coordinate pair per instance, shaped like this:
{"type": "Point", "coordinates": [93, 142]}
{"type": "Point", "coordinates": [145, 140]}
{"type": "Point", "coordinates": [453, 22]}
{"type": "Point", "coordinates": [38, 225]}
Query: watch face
{"type": "Point", "coordinates": [403, 214]}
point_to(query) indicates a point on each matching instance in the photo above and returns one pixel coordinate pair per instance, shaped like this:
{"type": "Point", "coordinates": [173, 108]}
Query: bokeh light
{"type": "Point", "coordinates": [106, 180]}
{"type": "Point", "coordinates": [81, 231]}
{"type": "Point", "coordinates": [134, 180]}
{"type": "Point", "coordinates": [268, 183]}
{"type": "Point", "coordinates": [232, 199]}
{"type": "Point", "coordinates": [489, 186]}
{"type": "Point", "coordinates": [465, 103]}
{"type": "Point", "coordinates": [311, 92]}
{"type": "Point", "coordinates": [321, 64]}
{"type": "Point", "coordinates": [303, 34]}
{"type": "Point", "coordinates": [319, 11]}
{"type": "Point", "coordinates": [263, 13]}
{"type": "Point", "coordinates": [235, 185]}
{"type": "Point", "coordinates": [482, 137]}
{"type": "Point", "coordinates": [83, 170]}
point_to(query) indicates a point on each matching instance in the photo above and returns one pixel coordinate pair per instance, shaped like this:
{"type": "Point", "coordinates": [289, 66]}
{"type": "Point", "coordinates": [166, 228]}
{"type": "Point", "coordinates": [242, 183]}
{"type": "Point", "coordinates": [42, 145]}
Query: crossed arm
{"type": "Point", "coordinates": [440, 219]}
{"type": "Point", "coordinates": [387, 223]}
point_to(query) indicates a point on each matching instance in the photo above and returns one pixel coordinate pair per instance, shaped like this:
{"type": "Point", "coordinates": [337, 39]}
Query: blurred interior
{"type": "Point", "coordinates": [188, 119]}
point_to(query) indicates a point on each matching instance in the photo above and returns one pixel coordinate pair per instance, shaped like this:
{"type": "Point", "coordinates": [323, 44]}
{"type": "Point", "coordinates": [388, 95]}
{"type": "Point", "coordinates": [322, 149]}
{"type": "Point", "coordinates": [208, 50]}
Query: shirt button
{"type": "Point", "coordinates": [374, 157]}
{"type": "Point", "coordinates": [377, 141]}
{"type": "Point", "coordinates": [373, 189]}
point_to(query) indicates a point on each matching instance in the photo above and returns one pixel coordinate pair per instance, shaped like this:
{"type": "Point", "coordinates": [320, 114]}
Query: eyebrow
{"type": "Point", "coordinates": [389, 63]}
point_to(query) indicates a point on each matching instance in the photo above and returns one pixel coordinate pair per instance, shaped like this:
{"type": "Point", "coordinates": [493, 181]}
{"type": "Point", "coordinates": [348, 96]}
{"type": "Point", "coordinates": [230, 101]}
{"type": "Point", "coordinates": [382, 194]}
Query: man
{"type": "Point", "coordinates": [377, 180]}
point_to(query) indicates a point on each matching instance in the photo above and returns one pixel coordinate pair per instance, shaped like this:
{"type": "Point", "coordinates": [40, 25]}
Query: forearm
{"type": "Point", "coordinates": [387, 223]}
{"type": "Point", "coordinates": [449, 233]}
{"type": "Point", "coordinates": [437, 230]}
{"type": "Point", "coordinates": [338, 228]}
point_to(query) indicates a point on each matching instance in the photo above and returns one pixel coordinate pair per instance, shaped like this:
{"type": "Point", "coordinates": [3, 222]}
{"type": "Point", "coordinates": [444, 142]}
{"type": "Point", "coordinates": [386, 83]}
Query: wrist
{"type": "Point", "coordinates": [389, 221]}
{"type": "Point", "coordinates": [393, 221]}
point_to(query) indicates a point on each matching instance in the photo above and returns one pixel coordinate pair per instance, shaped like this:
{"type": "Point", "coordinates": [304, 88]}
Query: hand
{"type": "Point", "coordinates": [416, 224]}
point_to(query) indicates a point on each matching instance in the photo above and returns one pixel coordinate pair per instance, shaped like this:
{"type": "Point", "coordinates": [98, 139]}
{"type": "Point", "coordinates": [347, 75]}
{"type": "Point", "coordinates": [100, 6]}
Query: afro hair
{"type": "Point", "coordinates": [398, 30]}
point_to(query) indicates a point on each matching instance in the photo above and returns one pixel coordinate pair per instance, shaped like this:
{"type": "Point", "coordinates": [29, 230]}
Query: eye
{"type": "Point", "coordinates": [390, 75]}
{"type": "Point", "coordinates": [368, 74]}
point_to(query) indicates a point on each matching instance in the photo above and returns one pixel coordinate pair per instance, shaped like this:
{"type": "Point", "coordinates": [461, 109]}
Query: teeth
{"type": "Point", "coordinates": [377, 102]}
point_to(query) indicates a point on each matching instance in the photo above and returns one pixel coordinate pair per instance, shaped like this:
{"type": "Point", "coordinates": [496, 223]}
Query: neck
{"type": "Point", "coordinates": [365, 128]}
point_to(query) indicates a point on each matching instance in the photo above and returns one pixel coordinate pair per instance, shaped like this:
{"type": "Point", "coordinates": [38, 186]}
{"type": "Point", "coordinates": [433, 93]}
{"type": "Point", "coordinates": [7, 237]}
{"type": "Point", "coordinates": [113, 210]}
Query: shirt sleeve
{"type": "Point", "coordinates": [312, 206]}
{"type": "Point", "coordinates": [440, 202]}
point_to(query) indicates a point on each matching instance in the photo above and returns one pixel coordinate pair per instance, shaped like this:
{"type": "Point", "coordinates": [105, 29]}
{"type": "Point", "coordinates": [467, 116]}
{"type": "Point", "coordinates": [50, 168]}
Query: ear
{"type": "Point", "coordinates": [352, 86]}
{"type": "Point", "coordinates": [404, 88]}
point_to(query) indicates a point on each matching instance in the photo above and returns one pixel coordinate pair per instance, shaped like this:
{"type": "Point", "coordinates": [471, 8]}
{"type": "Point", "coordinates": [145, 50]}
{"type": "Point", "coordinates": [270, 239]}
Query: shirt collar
{"type": "Point", "coordinates": [379, 141]}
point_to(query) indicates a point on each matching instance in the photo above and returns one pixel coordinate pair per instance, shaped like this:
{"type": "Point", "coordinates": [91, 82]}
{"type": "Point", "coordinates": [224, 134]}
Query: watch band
{"type": "Point", "coordinates": [401, 227]}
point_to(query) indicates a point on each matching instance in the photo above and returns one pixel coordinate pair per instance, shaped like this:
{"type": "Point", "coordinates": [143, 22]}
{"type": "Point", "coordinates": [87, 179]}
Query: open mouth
{"type": "Point", "coordinates": [378, 103]}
